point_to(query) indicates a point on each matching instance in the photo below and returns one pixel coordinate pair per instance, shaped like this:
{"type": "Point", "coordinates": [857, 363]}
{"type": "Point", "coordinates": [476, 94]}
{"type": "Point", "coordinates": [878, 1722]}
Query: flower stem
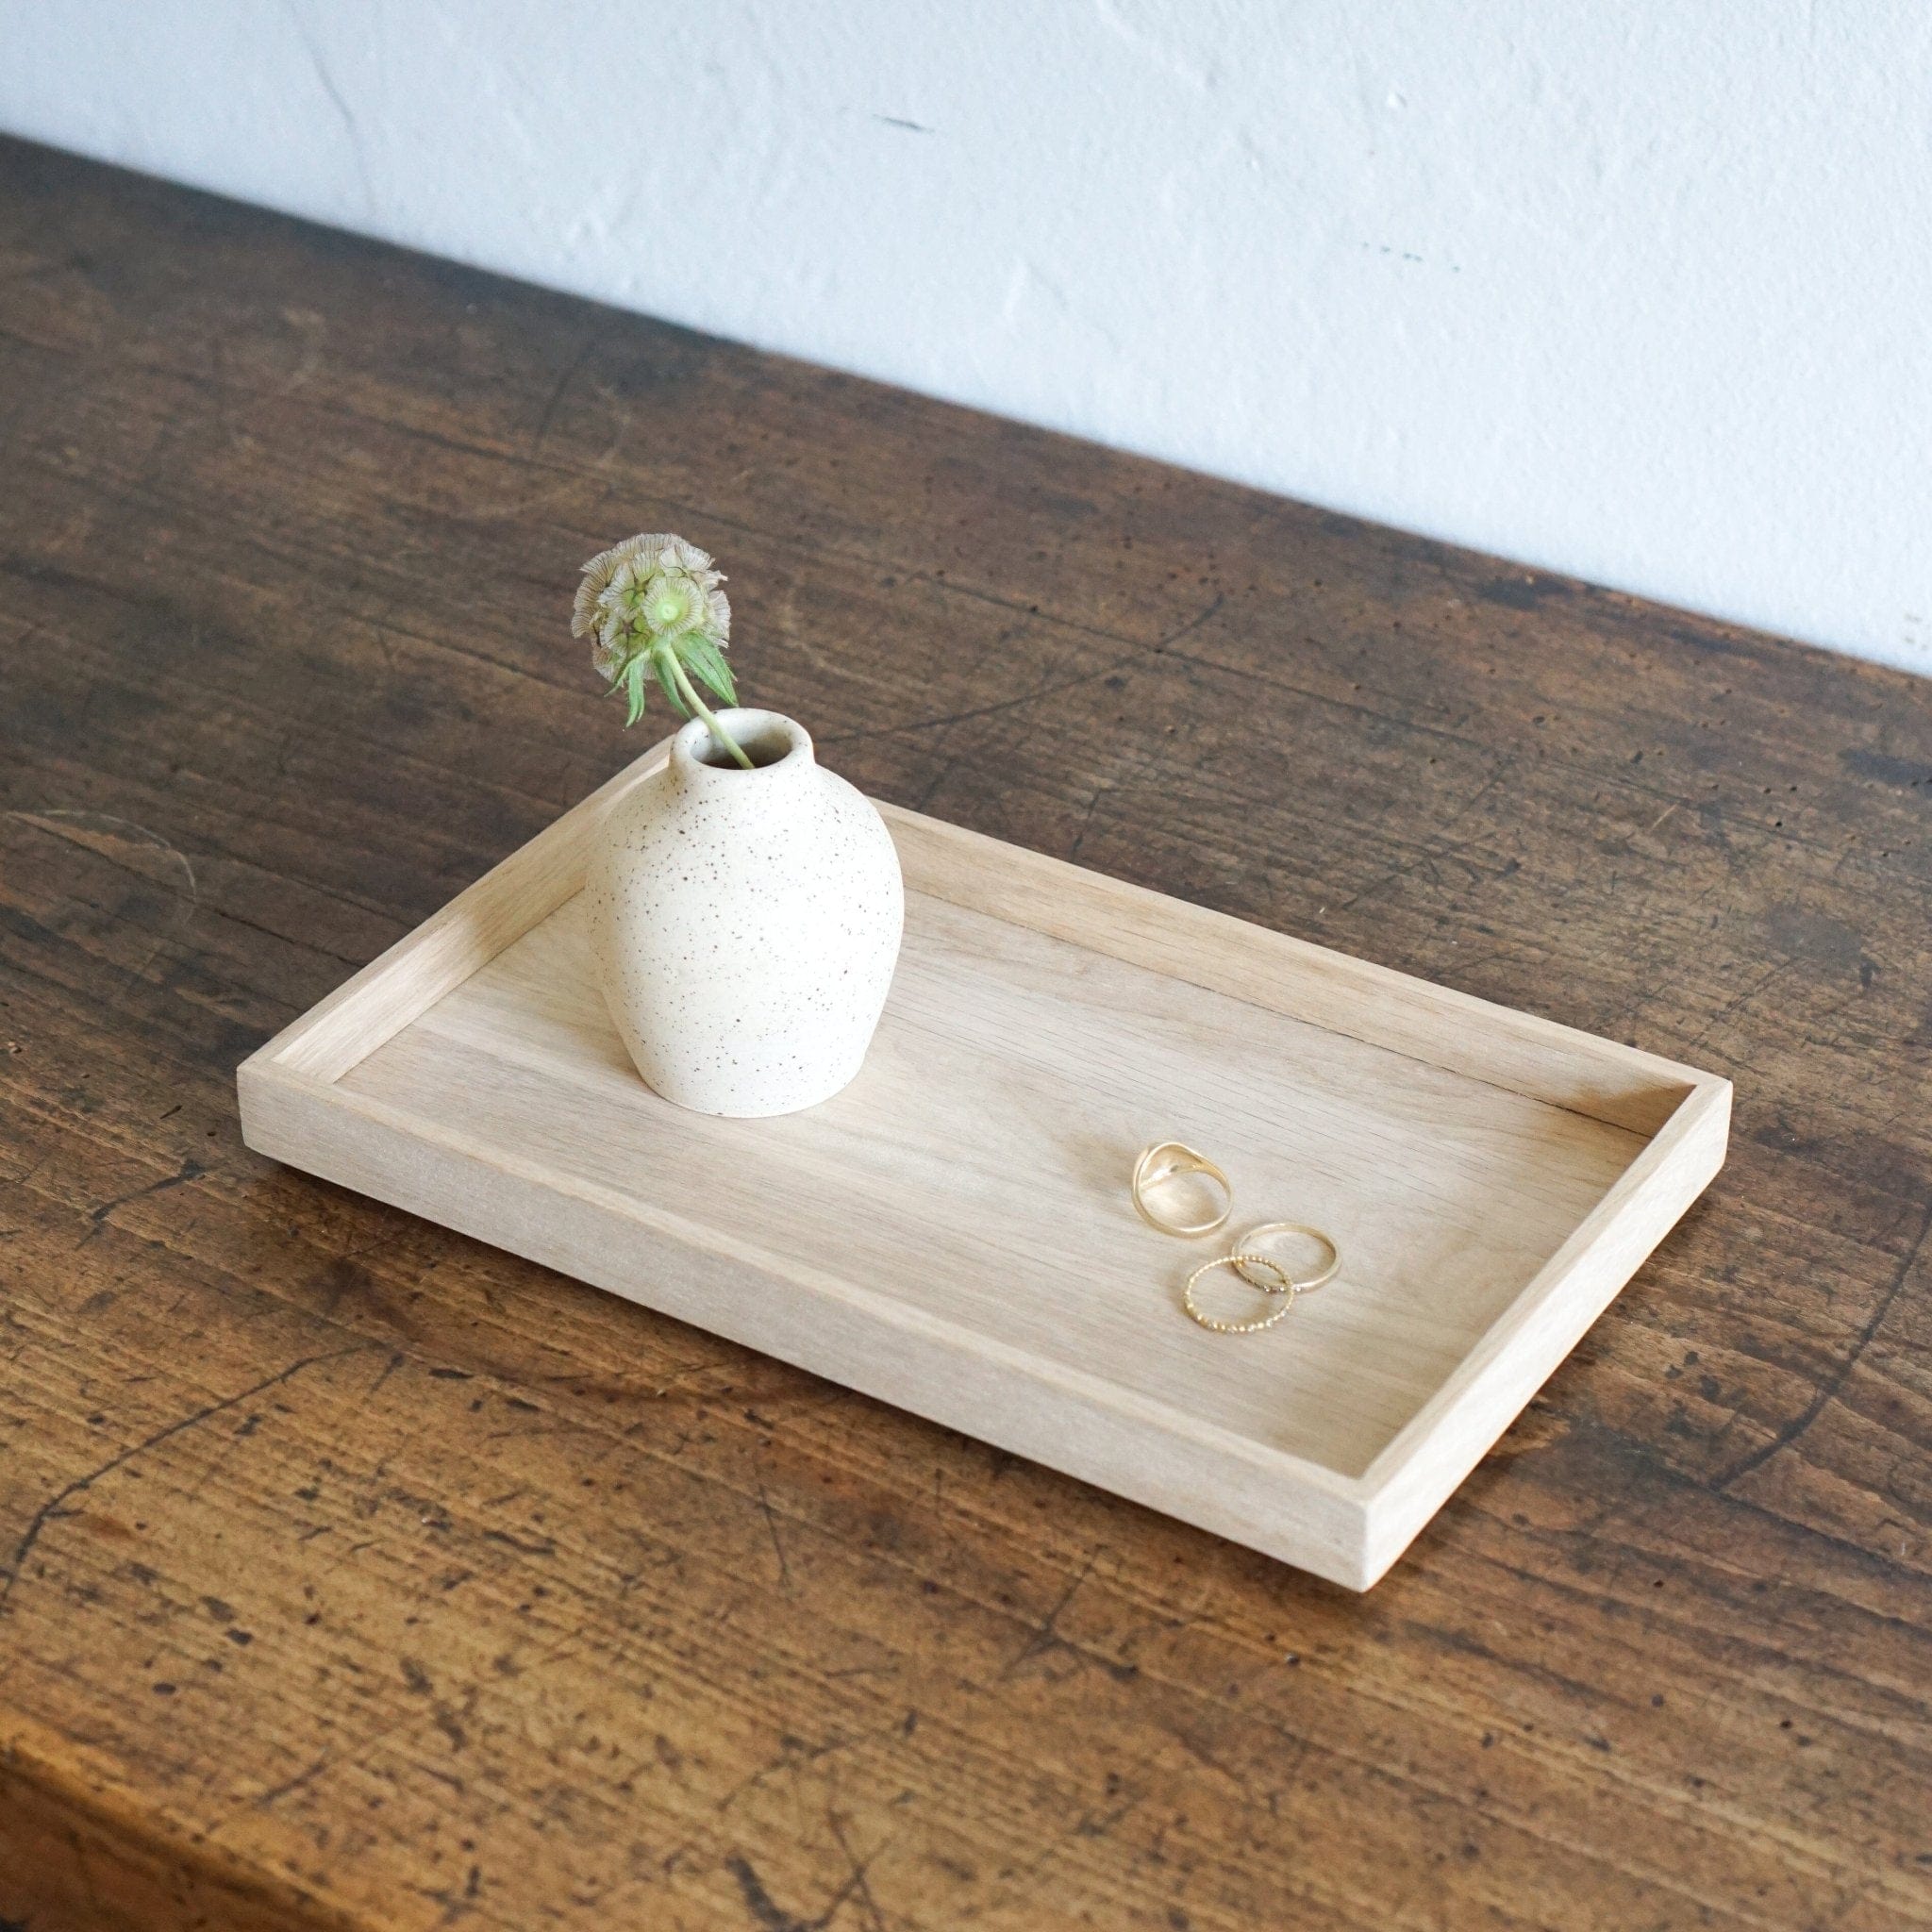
{"type": "Point", "coordinates": [689, 692]}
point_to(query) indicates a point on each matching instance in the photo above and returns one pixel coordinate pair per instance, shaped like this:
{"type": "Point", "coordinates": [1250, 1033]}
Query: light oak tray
{"type": "Point", "coordinates": [954, 1233]}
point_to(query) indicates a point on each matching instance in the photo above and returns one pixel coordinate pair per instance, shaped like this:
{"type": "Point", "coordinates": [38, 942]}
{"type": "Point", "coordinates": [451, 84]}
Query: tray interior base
{"type": "Point", "coordinates": [977, 1168]}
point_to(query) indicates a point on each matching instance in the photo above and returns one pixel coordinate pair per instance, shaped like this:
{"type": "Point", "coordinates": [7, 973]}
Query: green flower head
{"type": "Point", "coordinates": [652, 605]}
{"type": "Point", "coordinates": [645, 589]}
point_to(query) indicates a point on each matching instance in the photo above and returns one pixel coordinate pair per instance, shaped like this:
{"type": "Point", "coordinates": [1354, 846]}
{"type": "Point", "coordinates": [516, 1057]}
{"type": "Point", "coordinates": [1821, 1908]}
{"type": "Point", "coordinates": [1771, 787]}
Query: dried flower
{"type": "Point", "coordinates": [652, 603]}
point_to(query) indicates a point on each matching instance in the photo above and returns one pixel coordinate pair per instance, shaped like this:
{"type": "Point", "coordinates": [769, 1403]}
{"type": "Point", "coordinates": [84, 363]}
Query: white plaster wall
{"type": "Point", "coordinates": [1637, 289]}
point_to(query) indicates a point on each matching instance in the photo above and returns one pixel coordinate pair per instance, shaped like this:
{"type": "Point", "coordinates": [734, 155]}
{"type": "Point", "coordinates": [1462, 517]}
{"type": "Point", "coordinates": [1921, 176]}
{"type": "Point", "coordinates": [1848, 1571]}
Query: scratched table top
{"type": "Point", "coordinates": [353, 1574]}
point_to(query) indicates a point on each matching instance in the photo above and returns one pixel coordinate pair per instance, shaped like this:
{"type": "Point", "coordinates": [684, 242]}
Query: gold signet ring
{"type": "Point", "coordinates": [1279, 1231]}
{"type": "Point", "coordinates": [1168, 1161]}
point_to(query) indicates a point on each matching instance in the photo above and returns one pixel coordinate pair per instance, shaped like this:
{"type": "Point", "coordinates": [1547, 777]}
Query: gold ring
{"type": "Point", "coordinates": [1164, 1161]}
{"type": "Point", "coordinates": [1257, 1237]}
{"type": "Point", "coordinates": [1239, 1263]}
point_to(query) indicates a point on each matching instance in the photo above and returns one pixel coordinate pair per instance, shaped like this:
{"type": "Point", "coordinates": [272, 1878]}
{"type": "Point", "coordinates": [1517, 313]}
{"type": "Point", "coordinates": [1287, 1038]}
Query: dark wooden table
{"type": "Point", "coordinates": [288, 528]}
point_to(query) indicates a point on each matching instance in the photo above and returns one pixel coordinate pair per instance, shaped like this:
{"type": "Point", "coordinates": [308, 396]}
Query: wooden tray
{"type": "Point", "coordinates": [954, 1233]}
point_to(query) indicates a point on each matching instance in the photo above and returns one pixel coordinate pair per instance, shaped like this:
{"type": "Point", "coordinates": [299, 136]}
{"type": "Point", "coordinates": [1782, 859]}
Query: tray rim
{"type": "Point", "coordinates": [294, 1108]}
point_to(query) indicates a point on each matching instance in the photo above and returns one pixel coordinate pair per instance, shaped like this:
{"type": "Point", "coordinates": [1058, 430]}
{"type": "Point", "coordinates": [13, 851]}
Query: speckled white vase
{"type": "Point", "coordinates": [744, 925]}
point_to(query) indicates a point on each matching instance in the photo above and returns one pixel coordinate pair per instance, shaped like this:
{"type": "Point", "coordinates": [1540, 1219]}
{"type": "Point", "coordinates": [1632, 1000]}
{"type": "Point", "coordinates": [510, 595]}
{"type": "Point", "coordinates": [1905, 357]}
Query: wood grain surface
{"type": "Point", "coordinates": [353, 1574]}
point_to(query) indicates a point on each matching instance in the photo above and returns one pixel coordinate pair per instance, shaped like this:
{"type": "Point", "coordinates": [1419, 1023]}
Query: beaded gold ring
{"type": "Point", "coordinates": [1167, 1160]}
{"type": "Point", "coordinates": [1285, 1292]}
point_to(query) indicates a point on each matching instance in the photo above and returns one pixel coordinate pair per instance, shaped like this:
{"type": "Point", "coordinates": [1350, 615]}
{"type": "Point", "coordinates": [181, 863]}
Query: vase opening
{"type": "Point", "coordinates": [770, 741]}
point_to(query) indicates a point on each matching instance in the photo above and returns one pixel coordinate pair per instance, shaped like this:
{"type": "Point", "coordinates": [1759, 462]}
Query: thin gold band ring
{"type": "Point", "coordinates": [1269, 1230]}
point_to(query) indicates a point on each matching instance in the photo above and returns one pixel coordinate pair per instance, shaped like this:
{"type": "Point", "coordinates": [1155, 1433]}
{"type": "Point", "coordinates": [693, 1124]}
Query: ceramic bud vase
{"type": "Point", "coordinates": [744, 925]}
